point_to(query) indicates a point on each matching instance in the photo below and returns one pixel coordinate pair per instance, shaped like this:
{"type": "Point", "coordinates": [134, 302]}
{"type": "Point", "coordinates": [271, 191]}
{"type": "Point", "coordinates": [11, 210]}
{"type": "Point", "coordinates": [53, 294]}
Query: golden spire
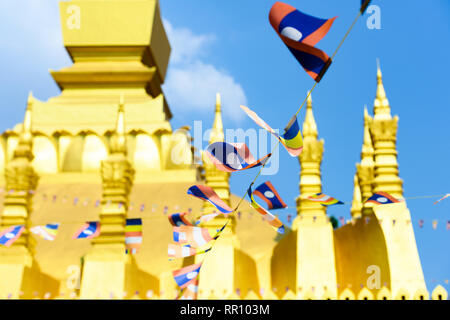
{"type": "Point", "coordinates": [381, 108]}
{"type": "Point", "coordinates": [214, 178]}
{"type": "Point", "coordinates": [119, 138]}
{"type": "Point", "coordinates": [217, 134]}
{"type": "Point", "coordinates": [21, 177]}
{"type": "Point", "coordinates": [367, 147]}
{"type": "Point", "coordinates": [310, 161]}
{"type": "Point", "coordinates": [25, 145]}
{"type": "Point", "coordinates": [26, 128]}
{"type": "Point", "coordinates": [383, 131]}
{"type": "Point", "coordinates": [309, 125]}
{"type": "Point", "coordinates": [357, 201]}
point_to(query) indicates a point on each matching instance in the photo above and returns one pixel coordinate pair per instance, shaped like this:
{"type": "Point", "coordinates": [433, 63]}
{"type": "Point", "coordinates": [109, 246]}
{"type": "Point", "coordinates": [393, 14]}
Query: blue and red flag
{"type": "Point", "coordinates": [270, 218]}
{"type": "Point", "coordinates": [364, 5]}
{"type": "Point", "coordinates": [267, 192]}
{"type": "Point", "coordinates": [230, 157]}
{"type": "Point", "coordinates": [382, 198]}
{"type": "Point", "coordinates": [11, 234]}
{"type": "Point", "coordinates": [300, 33]}
{"type": "Point", "coordinates": [190, 292]}
{"type": "Point", "coordinates": [208, 194]}
{"type": "Point", "coordinates": [88, 231]}
{"type": "Point", "coordinates": [187, 275]}
{"type": "Point", "coordinates": [179, 219]}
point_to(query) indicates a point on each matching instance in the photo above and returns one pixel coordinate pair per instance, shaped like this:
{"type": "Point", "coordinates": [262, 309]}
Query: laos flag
{"type": "Point", "coordinates": [88, 231]}
{"type": "Point", "coordinates": [208, 194]}
{"type": "Point", "coordinates": [11, 234]}
{"type": "Point", "coordinates": [187, 275]}
{"type": "Point", "coordinates": [300, 33]}
{"type": "Point", "coordinates": [267, 192]}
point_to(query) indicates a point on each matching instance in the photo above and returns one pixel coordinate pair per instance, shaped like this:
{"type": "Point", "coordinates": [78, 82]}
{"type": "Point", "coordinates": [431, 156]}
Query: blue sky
{"type": "Point", "coordinates": [229, 46]}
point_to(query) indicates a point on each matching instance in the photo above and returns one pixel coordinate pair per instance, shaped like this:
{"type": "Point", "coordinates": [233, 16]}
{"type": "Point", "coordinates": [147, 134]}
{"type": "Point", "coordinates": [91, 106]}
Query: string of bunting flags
{"type": "Point", "coordinates": [266, 191]}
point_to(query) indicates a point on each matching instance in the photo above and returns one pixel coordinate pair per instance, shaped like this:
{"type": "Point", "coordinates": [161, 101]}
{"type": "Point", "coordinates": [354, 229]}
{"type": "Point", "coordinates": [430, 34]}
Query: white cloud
{"type": "Point", "coordinates": [186, 46]}
{"type": "Point", "coordinates": [194, 87]}
{"type": "Point", "coordinates": [33, 26]}
{"type": "Point", "coordinates": [192, 83]}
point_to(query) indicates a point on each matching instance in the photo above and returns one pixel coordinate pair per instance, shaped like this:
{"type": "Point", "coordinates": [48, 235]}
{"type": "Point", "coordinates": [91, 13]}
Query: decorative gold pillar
{"type": "Point", "coordinates": [365, 169]}
{"type": "Point", "coordinates": [223, 257]}
{"type": "Point", "coordinates": [18, 269]}
{"type": "Point", "coordinates": [315, 265]}
{"type": "Point", "coordinates": [104, 270]}
{"type": "Point", "coordinates": [403, 259]}
{"type": "Point", "coordinates": [383, 131]}
{"type": "Point", "coordinates": [214, 178]}
{"type": "Point", "coordinates": [236, 269]}
{"type": "Point", "coordinates": [21, 181]}
{"type": "Point", "coordinates": [310, 162]}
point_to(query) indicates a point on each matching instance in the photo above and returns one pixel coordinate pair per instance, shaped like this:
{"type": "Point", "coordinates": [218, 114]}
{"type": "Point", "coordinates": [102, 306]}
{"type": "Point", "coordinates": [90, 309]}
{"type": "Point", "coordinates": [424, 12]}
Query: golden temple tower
{"type": "Point", "coordinates": [296, 264]}
{"type": "Point", "coordinates": [383, 130]}
{"type": "Point", "coordinates": [104, 268]}
{"type": "Point", "coordinates": [365, 169]}
{"type": "Point", "coordinates": [20, 275]}
{"type": "Point", "coordinates": [384, 238]}
{"type": "Point", "coordinates": [237, 270]}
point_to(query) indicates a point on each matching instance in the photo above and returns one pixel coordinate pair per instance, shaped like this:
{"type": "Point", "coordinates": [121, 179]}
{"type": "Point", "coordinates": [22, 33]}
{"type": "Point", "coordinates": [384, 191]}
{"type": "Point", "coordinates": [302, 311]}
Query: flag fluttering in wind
{"type": "Point", "coordinates": [270, 218]}
{"type": "Point", "coordinates": [88, 231]}
{"type": "Point", "coordinates": [300, 33]}
{"type": "Point", "coordinates": [10, 235]}
{"type": "Point", "coordinates": [267, 192]}
{"type": "Point", "coordinates": [421, 222]}
{"type": "Point", "coordinates": [231, 157]}
{"type": "Point", "coordinates": [187, 275]}
{"type": "Point", "coordinates": [444, 197]}
{"type": "Point", "coordinates": [133, 235]}
{"type": "Point", "coordinates": [434, 224]}
{"type": "Point", "coordinates": [324, 199]}
{"type": "Point", "coordinates": [208, 194]}
{"type": "Point", "coordinates": [190, 292]}
{"type": "Point", "coordinates": [364, 5]}
{"type": "Point", "coordinates": [47, 232]}
{"type": "Point", "coordinates": [179, 219]}
{"type": "Point", "coordinates": [382, 198]}
{"type": "Point", "coordinates": [183, 250]}
{"type": "Point", "coordinates": [292, 139]}
{"type": "Point", "coordinates": [194, 236]}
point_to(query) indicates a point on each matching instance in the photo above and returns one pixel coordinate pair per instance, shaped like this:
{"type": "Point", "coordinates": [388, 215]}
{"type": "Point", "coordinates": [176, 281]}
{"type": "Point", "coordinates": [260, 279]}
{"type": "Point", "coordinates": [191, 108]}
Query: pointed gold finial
{"type": "Point", "coordinates": [25, 145]}
{"type": "Point", "coordinates": [381, 108]}
{"type": "Point", "coordinates": [217, 134]}
{"type": "Point", "coordinates": [119, 137]}
{"type": "Point", "coordinates": [26, 126]}
{"type": "Point", "coordinates": [309, 100]}
{"type": "Point", "coordinates": [218, 102]}
{"type": "Point", "coordinates": [367, 150]}
{"type": "Point", "coordinates": [309, 125]}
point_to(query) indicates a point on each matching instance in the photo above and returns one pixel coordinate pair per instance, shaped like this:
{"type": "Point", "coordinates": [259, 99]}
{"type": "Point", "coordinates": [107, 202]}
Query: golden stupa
{"type": "Point", "coordinates": [102, 151]}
